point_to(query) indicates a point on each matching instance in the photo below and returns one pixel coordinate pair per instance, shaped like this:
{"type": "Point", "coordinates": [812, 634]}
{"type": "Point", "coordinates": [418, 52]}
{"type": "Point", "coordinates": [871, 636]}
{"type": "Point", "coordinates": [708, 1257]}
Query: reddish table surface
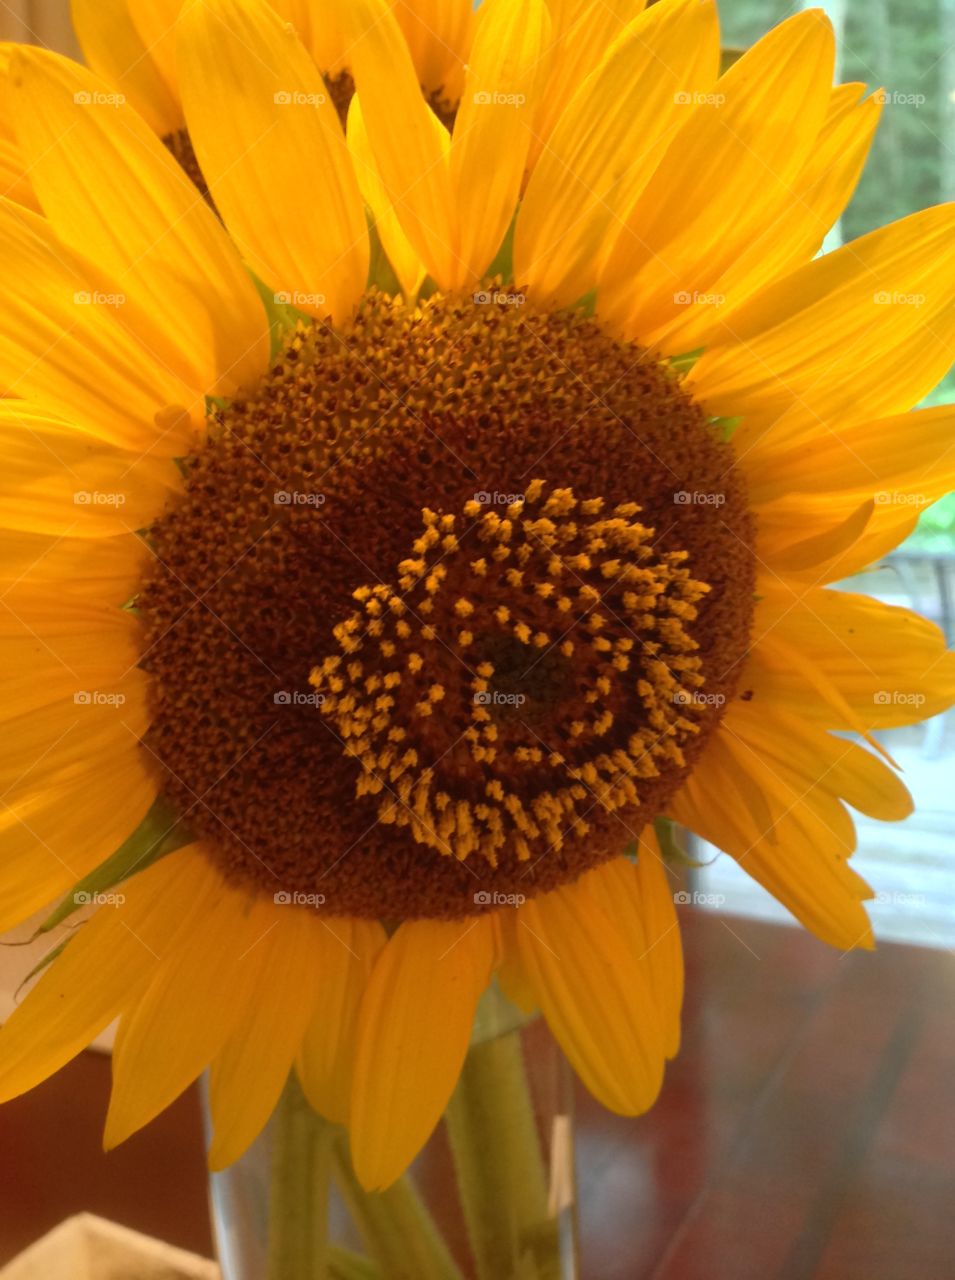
{"type": "Point", "coordinates": [806, 1130]}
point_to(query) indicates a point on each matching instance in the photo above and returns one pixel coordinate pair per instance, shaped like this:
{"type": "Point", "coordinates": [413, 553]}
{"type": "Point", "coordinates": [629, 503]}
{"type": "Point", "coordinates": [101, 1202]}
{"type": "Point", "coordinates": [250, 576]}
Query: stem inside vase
{"type": "Point", "coordinates": [507, 1214]}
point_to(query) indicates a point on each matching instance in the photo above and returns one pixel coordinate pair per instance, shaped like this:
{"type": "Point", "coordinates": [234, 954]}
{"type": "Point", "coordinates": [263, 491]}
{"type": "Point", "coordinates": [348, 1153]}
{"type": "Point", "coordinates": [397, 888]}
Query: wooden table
{"type": "Point", "coordinates": [806, 1130]}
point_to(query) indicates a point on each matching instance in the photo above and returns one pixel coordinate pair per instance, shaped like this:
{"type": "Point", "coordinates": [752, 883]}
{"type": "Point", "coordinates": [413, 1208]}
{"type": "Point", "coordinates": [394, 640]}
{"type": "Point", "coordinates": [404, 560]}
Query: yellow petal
{"type": "Point", "coordinates": [411, 152]}
{"type": "Point", "coordinates": [91, 982]}
{"type": "Point", "coordinates": [737, 155]}
{"type": "Point", "coordinates": [492, 132]}
{"type": "Point", "coordinates": [890, 665]}
{"type": "Point", "coordinates": [581, 33]}
{"type": "Point", "coordinates": [861, 332]}
{"type": "Point", "coordinates": [63, 347]}
{"type": "Point", "coordinates": [662, 932]}
{"type": "Point", "coordinates": [882, 520]}
{"type": "Point", "coordinates": [319, 30]}
{"type": "Point", "coordinates": [818, 699]}
{"type": "Point", "coordinates": [509, 973]}
{"type": "Point", "coordinates": [199, 992]}
{"type": "Point", "coordinates": [114, 49]}
{"type": "Point", "coordinates": [404, 261]}
{"type": "Point", "coordinates": [907, 459]}
{"type": "Point", "coordinates": [14, 180]}
{"type": "Point", "coordinates": [639, 899]}
{"type": "Point", "coordinates": [248, 1075]}
{"type": "Point", "coordinates": [783, 550]}
{"type": "Point", "coordinates": [791, 233]}
{"type": "Point", "coordinates": [797, 851]}
{"type": "Point", "coordinates": [272, 151]}
{"type": "Point", "coordinates": [346, 951]}
{"type": "Point", "coordinates": [53, 647]}
{"type": "Point", "coordinates": [102, 570]}
{"type": "Point", "coordinates": [836, 765]}
{"type": "Point", "coordinates": [185, 291]}
{"type": "Point", "coordinates": [155, 23]}
{"type": "Point", "coordinates": [439, 35]}
{"type": "Point", "coordinates": [887, 530]}
{"type": "Point", "coordinates": [63, 735]}
{"type": "Point", "coordinates": [57, 824]}
{"type": "Point", "coordinates": [630, 106]}
{"type": "Point", "coordinates": [594, 995]}
{"type": "Point", "coordinates": [415, 1024]}
{"type": "Point", "coordinates": [58, 480]}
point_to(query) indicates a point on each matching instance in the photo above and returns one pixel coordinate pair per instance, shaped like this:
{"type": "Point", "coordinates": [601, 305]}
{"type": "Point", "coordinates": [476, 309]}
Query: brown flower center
{"type": "Point", "coordinates": [449, 608]}
{"type": "Point", "coordinates": [179, 145]}
{"type": "Point", "coordinates": [341, 90]}
{"type": "Point", "coordinates": [526, 667]}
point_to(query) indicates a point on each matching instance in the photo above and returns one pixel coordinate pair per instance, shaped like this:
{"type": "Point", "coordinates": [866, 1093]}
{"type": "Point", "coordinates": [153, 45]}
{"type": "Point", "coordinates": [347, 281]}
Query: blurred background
{"type": "Point", "coordinates": [38, 22]}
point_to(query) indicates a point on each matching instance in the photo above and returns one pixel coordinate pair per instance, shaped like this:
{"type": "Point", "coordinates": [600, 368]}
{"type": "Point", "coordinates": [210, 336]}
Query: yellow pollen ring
{"type": "Point", "coordinates": [575, 680]}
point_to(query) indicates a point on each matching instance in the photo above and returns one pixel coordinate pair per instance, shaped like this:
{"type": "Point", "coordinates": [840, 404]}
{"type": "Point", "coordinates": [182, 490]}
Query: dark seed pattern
{"type": "Point", "coordinates": [310, 500]}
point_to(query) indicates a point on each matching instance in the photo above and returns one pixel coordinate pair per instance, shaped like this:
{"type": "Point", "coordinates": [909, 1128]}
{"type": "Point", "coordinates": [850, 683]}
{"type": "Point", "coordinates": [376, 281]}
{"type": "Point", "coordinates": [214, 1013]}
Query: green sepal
{"type": "Point", "coordinates": [684, 362]}
{"type": "Point", "coordinates": [726, 427]}
{"type": "Point", "coordinates": [159, 833]}
{"type": "Point", "coordinates": [503, 264]}
{"type": "Point", "coordinates": [282, 316]}
{"type": "Point", "coordinates": [381, 274]}
{"type": "Point", "coordinates": [345, 1265]}
{"type": "Point", "coordinates": [41, 964]}
{"type": "Point", "coordinates": [668, 838]}
{"type": "Point", "coordinates": [728, 55]}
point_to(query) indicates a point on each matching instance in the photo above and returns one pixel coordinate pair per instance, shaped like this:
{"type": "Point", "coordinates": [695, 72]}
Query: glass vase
{"type": "Point", "coordinates": [490, 1197]}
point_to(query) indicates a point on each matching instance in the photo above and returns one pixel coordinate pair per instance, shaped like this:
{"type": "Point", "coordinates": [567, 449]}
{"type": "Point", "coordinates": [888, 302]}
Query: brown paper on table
{"type": "Point", "coordinates": [89, 1248]}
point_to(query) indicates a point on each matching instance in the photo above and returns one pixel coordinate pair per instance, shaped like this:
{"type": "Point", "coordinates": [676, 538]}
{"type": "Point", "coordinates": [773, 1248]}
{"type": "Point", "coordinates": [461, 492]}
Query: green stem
{"type": "Point", "coordinates": [298, 1200]}
{"type": "Point", "coordinates": [500, 1170]}
{"type": "Point", "coordinates": [397, 1229]}
{"type": "Point", "coordinates": [345, 1265]}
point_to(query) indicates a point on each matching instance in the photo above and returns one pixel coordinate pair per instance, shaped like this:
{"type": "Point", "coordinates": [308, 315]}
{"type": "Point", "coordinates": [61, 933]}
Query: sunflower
{"type": "Point", "coordinates": [134, 47]}
{"type": "Point", "coordinates": [420, 623]}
